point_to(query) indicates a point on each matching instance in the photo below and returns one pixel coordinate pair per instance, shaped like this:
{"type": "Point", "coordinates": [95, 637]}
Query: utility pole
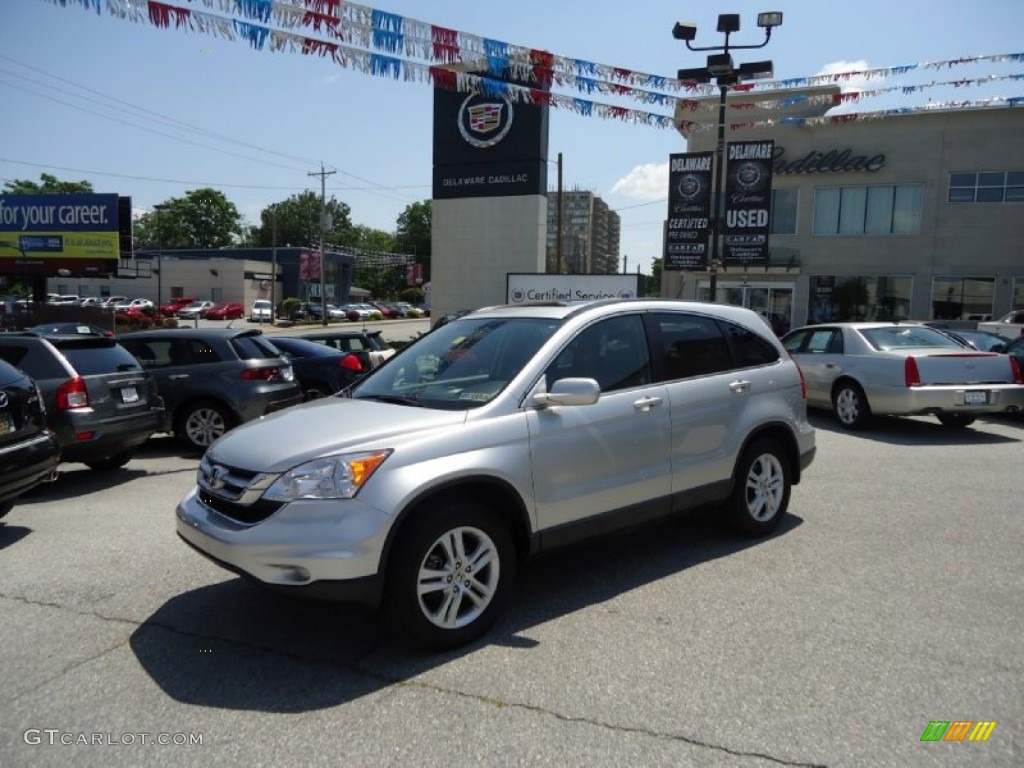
{"type": "Point", "coordinates": [323, 227]}
{"type": "Point", "coordinates": [273, 268]}
{"type": "Point", "coordinates": [561, 209]}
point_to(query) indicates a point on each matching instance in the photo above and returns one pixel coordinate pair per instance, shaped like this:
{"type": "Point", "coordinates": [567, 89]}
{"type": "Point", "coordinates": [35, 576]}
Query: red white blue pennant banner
{"type": "Point", "coordinates": [384, 31]}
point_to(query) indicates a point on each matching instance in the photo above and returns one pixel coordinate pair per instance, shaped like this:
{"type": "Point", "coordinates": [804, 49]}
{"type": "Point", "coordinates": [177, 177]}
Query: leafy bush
{"type": "Point", "coordinates": [377, 315]}
{"type": "Point", "coordinates": [288, 307]}
{"type": "Point", "coordinates": [414, 312]}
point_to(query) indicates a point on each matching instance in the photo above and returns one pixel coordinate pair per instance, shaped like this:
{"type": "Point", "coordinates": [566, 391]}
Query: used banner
{"type": "Point", "coordinates": [689, 211]}
{"type": "Point", "coordinates": [748, 201]}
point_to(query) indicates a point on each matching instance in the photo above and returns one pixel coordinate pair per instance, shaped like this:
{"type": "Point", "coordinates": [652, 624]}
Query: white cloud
{"type": "Point", "coordinates": [644, 182]}
{"type": "Point", "coordinates": [853, 83]}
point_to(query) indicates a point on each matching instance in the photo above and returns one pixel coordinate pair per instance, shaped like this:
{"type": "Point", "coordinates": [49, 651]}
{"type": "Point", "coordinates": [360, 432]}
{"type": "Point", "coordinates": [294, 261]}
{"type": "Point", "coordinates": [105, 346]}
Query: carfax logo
{"type": "Point", "coordinates": [484, 121]}
{"type": "Point", "coordinates": [958, 730]}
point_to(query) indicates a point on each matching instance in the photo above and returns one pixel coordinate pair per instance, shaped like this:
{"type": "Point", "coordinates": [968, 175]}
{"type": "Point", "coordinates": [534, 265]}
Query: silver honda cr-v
{"type": "Point", "coordinates": [500, 435]}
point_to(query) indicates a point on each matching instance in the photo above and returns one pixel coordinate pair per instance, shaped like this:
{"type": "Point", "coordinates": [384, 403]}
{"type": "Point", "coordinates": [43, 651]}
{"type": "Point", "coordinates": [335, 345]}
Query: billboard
{"type": "Point", "coordinates": [525, 288]}
{"type": "Point", "coordinates": [486, 145]}
{"type": "Point", "coordinates": [62, 226]}
{"type": "Point", "coordinates": [748, 201]}
{"type": "Point", "coordinates": [689, 211]}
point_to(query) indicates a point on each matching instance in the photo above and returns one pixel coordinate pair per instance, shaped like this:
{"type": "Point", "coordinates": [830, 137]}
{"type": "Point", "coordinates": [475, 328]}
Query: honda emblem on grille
{"type": "Point", "coordinates": [217, 478]}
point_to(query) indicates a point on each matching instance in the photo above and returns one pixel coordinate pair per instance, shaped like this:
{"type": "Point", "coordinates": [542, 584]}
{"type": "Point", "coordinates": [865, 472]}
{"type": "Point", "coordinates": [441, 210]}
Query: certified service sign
{"type": "Point", "coordinates": [484, 121]}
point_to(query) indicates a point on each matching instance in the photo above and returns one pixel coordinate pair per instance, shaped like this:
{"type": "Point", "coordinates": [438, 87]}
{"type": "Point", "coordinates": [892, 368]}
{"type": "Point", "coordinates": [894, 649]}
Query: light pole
{"type": "Point", "coordinates": [159, 257]}
{"type": "Point", "coordinates": [720, 68]}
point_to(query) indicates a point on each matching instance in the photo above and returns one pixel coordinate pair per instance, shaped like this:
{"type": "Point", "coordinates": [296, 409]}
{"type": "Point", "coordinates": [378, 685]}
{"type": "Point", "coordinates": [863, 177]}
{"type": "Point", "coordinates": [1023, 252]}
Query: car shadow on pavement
{"type": "Point", "coordinates": [12, 534]}
{"type": "Point", "coordinates": [912, 430]}
{"type": "Point", "coordinates": [236, 645]}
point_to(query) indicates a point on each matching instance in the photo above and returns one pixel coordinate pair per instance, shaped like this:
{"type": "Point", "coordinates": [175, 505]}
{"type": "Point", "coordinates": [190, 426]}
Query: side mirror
{"type": "Point", "coordinates": [569, 392]}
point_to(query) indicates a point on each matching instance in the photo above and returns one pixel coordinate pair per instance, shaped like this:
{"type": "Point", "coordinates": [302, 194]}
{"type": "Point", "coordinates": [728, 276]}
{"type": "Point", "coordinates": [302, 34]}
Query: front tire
{"type": "Point", "coordinates": [850, 405]}
{"type": "Point", "coordinates": [451, 575]}
{"type": "Point", "coordinates": [5, 507]}
{"type": "Point", "coordinates": [956, 420]}
{"type": "Point", "coordinates": [199, 424]}
{"type": "Point", "coordinates": [761, 488]}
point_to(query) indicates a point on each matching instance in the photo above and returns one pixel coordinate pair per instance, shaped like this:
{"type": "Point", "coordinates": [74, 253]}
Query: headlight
{"type": "Point", "coordinates": [332, 477]}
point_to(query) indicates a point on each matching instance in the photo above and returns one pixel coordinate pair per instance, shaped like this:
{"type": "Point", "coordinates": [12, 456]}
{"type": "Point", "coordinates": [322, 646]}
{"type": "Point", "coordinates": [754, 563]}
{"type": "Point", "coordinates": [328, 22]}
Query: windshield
{"type": "Point", "coordinates": [459, 366]}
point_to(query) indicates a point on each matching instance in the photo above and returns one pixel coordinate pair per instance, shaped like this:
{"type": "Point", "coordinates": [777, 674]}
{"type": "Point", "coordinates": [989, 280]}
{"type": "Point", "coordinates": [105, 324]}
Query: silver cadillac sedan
{"type": "Point", "coordinates": [902, 369]}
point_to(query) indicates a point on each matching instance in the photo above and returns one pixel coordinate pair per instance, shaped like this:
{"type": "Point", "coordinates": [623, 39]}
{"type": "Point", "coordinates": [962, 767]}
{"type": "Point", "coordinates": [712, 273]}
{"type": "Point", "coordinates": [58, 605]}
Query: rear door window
{"type": "Point", "coordinates": [693, 345]}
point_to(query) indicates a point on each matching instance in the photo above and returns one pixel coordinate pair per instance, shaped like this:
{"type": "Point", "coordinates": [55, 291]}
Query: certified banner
{"type": "Point", "coordinates": [748, 201]}
{"type": "Point", "coordinates": [689, 211]}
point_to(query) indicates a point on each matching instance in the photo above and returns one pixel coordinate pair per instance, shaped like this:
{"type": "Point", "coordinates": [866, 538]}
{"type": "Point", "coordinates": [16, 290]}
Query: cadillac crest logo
{"type": "Point", "coordinates": [484, 121]}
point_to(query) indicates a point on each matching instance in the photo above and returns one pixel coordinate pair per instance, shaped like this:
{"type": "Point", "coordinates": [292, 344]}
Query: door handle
{"type": "Point", "coordinates": [831, 365]}
{"type": "Point", "coordinates": [176, 376]}
{"type": "Point", "coordinates": [739, 386]}
{"type": "Point", "coordinates": [645, 403]}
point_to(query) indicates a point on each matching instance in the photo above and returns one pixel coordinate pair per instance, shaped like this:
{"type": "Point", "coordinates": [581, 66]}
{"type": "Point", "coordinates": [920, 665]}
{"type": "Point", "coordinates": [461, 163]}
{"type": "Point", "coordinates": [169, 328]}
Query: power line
{"type": "Point", "coordinates": [190, 183]}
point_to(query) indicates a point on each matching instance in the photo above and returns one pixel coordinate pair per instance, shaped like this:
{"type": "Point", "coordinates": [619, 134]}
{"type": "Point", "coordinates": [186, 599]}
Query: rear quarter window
{"type": "Point", "coordinates": [37, 360]}
{"type": "Point", "coordinates": [253, 348]}
{"type": "Point", "coordinates": [749, 349]}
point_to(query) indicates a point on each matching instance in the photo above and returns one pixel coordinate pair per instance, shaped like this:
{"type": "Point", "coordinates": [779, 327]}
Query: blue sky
{"type": "Point", "coordinates": [152, 113]}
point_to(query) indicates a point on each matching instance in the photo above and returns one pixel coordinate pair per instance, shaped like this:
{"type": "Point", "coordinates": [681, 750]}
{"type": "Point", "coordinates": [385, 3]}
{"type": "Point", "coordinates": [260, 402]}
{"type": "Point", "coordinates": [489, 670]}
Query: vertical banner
{"type": "Point", "coordinates": [689, 211]}
{"type": "Point", "coordinates": [748, 201]}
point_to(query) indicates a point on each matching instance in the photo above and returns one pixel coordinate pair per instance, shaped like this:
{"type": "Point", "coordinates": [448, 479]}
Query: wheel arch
{"type": "Point", "coordinates": [784, 436]}
{"type": "Point", "coordinates": [204, 397]}
{"type": "Point", "coordinates": [492, 492]}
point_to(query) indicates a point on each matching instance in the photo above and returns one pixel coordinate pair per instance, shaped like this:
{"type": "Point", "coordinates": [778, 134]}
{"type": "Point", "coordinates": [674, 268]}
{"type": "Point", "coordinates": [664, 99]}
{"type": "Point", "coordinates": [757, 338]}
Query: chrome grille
{"type": "Point", "coordinates": [234, 492]}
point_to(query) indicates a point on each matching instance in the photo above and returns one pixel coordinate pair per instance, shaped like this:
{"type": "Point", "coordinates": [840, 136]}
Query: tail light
{"type": "Point", "coordinates": [72, 394]}
{"type": "Point", "coordinates": [1018, 374]}
{"type": "Point", "coordinates": [352, 363]}
{"type": "Point", "coordinates": [269, 373]}
{"type": "Point", "coordinates": [911, 376]}
{"type": "Point", "coordinates": [803, 381]}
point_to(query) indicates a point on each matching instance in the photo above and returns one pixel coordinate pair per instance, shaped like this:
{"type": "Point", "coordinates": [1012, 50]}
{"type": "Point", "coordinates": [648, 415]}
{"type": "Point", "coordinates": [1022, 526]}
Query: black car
{"type": "Point", "coordinates": [369, 346]}
{"type": "Point", "coordinates": [213, 379]}
{"type": "Point", "coordinates": [100, 403]}
{"type": "Point", "coordinates": [320, 370]}
{"type": "Point", "coordinates": [29, 452]}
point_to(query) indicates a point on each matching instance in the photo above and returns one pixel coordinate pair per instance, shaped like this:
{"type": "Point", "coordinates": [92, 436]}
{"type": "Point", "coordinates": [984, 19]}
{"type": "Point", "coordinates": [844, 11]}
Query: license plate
{"type": "Point", "coordinates": [6, 423]}
{"type": "Point", "coordinates": [129, 395]}
{"type": "Point", "coordinates": [975, 398]}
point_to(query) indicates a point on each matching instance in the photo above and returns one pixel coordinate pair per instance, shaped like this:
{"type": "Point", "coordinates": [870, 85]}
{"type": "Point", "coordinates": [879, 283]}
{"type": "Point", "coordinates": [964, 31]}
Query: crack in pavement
{"type": "Point", "coordinates": [359, 666]}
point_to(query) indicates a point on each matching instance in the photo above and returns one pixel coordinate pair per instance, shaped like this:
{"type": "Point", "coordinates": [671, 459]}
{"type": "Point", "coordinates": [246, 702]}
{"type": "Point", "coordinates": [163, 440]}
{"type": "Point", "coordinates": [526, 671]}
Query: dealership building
{"type": "Point", "coordinates": [917, 215]}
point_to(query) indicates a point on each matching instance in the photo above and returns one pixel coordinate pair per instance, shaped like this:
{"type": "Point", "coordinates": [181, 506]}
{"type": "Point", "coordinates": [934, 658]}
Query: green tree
{"type": "Point", "coordinates": [413, 233]}
{"type": "Point", "coordinates": [298, 222]}
{"type": "Point", "coordinates": [653, 283]}
{"type": "Point", "coordinates": [203, 218]}
{"type": "Point", "coordinates": [48, 185]}
{"type": "Point", "coordinates": [369, 239]}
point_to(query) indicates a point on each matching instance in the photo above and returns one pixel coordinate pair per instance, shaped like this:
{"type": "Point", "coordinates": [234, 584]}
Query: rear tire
{"type": "Point", "coordinates": [761, 487]}
{"type": "Point", "coordinates": [956, 420]}
{"type": "Point", "coordinates": [199, 424]}
{"type": "Point", "coordinates": [850, 405]}
{"type": "Point", "coordinates": [5, 507]}
{"type": "Point", "coordinates": [110, 463]}
{"type": "Point", "coordinates": [451, 574]}
{"type": "Point", "coordinates": [315, 392]}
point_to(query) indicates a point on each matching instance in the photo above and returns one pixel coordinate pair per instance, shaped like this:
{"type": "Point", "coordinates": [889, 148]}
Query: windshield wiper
{"type": "Point", "coordinates": [396, 399]}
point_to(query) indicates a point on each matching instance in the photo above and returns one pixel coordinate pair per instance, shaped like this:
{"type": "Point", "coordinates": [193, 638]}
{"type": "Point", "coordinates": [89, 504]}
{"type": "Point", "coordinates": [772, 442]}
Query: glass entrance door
{"type": "Point", "coordinates": [773, 301]}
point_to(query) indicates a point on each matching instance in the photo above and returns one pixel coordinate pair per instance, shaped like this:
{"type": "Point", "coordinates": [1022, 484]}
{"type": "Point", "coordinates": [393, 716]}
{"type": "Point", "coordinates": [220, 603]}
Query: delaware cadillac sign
{"type": "Point", "coordinates": [486, 146]}
{"type": "Point", "coordinates": [689, 211]}
{"type": "Point", "coordinates": [748, 201]}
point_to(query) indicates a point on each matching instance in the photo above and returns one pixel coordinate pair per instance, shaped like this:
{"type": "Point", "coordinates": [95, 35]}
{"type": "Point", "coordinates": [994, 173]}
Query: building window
{"type": "Point", "coordinates": [883, 210]}
{"type": "Point", "coordinates": [963, 298]}
{"type": "Point", "coordinates": [1018, 293]}
{"type": "Point", "coordinates": [784, 202]}
{"type": "Point", "coordinates": [986, 187]}
{"type": "Point", "coordinates": [835, 298]}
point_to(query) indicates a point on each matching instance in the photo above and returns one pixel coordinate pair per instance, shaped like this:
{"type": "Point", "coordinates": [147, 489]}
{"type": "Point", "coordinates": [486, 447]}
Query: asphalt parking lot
{"type": "Point", "coordinates": [890, 598]}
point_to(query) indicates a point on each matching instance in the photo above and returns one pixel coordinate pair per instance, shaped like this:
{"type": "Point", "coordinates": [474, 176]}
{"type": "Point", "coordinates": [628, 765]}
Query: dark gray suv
{"type": "Point", "coordinates": [213, 379]}
{"type": "Point", "coordinates": [100, 403]}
